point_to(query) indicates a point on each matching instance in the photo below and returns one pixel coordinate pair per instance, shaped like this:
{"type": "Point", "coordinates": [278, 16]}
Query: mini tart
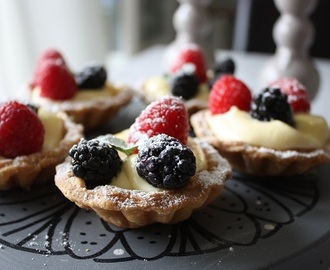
{"type": "Point", "coordinates": [260, 161]}
{"type": "Point", "coordinates": [193, 105]}
{"type": "Point", "coordinates": [25, 171]}
{"type": "Point", "coordinates": [134, 208]}
{"type": "Point", "coordinates": [92, 111]}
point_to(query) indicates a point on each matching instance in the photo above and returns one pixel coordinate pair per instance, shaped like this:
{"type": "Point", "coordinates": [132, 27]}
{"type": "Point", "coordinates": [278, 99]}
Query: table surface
{"type": "Point", "coordinates": [257, 223]}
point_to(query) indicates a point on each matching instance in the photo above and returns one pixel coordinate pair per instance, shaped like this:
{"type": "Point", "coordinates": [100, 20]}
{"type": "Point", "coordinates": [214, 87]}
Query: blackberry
{"type": "Point", "coordinates": [95, 162]}
{"type": "Point", "coordinates": [225, 67]}
{"type": "Point", "coordinates": [33, 107]}
{"type": "Point", "coordinates": [272, 104]}
{"type": "Point", "coordinates": [92, 76]}
{"type": "Point", "coordinates": [185, 85]}
{"type": "Point", "coordinates": [165, 163]}
{"type": "Point", "coordinates": [221, 68]}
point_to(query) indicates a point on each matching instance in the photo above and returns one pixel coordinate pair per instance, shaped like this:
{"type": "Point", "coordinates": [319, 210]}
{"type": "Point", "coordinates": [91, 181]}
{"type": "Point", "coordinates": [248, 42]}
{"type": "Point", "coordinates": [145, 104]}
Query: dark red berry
{"type": "Point", "coordinates": [21, 131]}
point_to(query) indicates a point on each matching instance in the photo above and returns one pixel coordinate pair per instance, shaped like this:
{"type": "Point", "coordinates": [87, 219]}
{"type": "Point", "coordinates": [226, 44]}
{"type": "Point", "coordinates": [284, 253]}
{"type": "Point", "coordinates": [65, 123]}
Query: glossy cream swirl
{"type": "Point", "coordinates": [311, 131]}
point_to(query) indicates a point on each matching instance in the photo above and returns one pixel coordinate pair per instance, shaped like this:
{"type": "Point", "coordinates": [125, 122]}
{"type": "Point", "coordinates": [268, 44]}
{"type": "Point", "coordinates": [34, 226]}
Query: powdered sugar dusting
{"type": "Point", "coordinates": [287, 153]}
{"type": "Point", "coordinates": [165, 115]}
{"type": "Point", "coordinates": [218, 174]}
{"type": "Point", "coordinates": [129, 199]}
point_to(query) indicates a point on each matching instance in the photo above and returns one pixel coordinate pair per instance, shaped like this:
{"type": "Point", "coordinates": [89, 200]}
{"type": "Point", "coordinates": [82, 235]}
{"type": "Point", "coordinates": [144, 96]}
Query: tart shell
{"type": "Point", "coordinates": [260, 161]}
{"type": "Point", "coordinates": [134, 208]}
{"type": "Point", "coordinates": [25, 171]}
{"type": "Point", "coordinates": [95, 112]}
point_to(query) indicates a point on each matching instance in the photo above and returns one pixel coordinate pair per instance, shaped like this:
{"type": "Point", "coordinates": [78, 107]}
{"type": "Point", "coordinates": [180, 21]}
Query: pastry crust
{"type": "Point", "coordinates": [260, 160]}
{"type": "Point", "coordinates": [25, 171]}
{"type": "Point", "coordinates": [95, 112]}
{"type": "Point", "coordinates": [134, 208]}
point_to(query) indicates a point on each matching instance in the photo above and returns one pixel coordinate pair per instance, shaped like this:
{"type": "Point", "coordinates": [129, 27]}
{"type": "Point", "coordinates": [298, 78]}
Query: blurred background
{"type": "Point", "coordinates": [116, 30]}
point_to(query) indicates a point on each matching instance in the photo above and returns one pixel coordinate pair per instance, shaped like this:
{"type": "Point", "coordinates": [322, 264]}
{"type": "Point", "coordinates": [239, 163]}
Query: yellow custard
{"type": "Point", "coordinates": [54, 128]}
{"type": "Point", "coordinates": [157, 87]}
{"type": "Point", "coordinates": [81, 95]}
{"type": "Point", "coordinates": [311, 131]}
{"type": "Point", "coordinates": [128, 177]}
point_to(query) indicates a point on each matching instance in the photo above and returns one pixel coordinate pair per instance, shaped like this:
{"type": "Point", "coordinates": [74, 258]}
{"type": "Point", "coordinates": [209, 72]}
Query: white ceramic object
{"type": "Point", "coordinates": [193, 25]}
{"type": "Point", "coordinates": [293, 34]}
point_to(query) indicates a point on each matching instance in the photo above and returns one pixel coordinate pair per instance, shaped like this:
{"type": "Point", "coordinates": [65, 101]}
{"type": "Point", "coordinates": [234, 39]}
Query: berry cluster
{"type": "Point", "coordinates": [163, 127]}
{"type": "Point", "coordinates": [188, 71]}
{"type": "Point", "coordinates": [95, 162]}
{"type": "Point", "coordinates": [278, 101]}
{"type": "Point", "coordinates": [57, 82]}
{"type": "Point", "coordinates": [164, 162]}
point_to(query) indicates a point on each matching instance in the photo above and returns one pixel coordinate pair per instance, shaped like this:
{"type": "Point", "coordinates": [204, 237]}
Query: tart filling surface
{"type": "Point", "coordinates": [310, 132]}
{"type": "Point", "coordinates": [287, 156]}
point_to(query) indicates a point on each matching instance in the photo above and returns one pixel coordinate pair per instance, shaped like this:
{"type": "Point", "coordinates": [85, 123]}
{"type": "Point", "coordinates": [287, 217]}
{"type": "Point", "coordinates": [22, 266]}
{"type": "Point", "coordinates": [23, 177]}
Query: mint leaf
{"type": "Point", "coordinates": [120, 144]}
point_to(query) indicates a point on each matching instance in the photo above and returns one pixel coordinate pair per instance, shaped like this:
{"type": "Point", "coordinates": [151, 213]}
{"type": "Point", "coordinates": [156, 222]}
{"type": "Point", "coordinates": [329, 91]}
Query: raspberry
{"type": "Point", "coordinates": [192, 55]}
{"type": "Point", "coordinates": [95, 162]}
{"type": "Point", "coordinates": [165, 163]}
{"type": "Point", "coordinates": [47, 55]}
{"type": "Point", "coordinates": [228, 91]}
{"type": "Point", "coordinates": [296, 92]}
{"type": "Point", "coordinates": [184, 84]}
{"type": "Point", "coordinates": [21, 131]}
{"type": "Point", "coordinates": [55, 81]}
{"type": "Point", "coordinates": [93, 76]}
{"type": "Point", "coordinates": [272, 104]}
{"type": "Point", "coordinates": [167, 115]}
{"type": "Point", "coordinates": [51, 54]}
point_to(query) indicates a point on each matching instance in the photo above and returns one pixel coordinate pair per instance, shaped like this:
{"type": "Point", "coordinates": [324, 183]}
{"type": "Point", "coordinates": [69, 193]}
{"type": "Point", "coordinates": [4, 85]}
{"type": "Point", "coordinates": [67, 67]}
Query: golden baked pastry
{"type": "Point", "coordinates": [27, 170]}
{"type": "Point", "coordinates": [132, 208]}
{"type": "Point", "coordinates": [91, 109]}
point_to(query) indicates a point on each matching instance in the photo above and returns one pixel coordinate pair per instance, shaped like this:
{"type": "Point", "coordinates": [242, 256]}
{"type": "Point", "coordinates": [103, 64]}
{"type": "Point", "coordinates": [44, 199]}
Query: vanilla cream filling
{"type": "Point", "coordinates": [311, 131]}
{"type": "Point", "coordinates": [54, 129]}
{"type": "Point", "coordinates": [157, 87]}
{"type": "Point", "coordinates": [81, 95]}
{"type": "Point", "coordinates": [128, 177]}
